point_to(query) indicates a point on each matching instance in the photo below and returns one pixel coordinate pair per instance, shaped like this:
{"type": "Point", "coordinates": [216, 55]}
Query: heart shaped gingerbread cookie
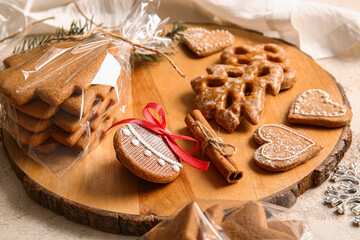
{"type": "Point", "coordinates": [282, 148]}
{"type": "Point", "coordinates": [314, 107]}
{"type": "Point", "coordinates": [203, 42]}
{"type": "Point", "coordinates": [146, 154]}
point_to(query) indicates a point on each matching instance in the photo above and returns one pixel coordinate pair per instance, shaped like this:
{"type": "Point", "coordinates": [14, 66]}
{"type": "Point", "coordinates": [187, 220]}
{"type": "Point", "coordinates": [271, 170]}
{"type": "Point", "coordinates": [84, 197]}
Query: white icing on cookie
{"type": "Point", "coordinates": [175, 168]}
{"type": "Point", "coordinates": [135, 142]}
{"type": "Point", "coordinates": [283, 143]}
{"type": "Point", "coordinates": [316, 102]}
{"type": "Point", "coordinates": [150, 150]}
{"type": "Point", "coordinates": [126, 132]}
{"type": "Point", "coordinates": [161, 162]}
{"type": "Point", "coordinates": [147, 153]}
{"type": "Point", "coordinates": [202, 40]}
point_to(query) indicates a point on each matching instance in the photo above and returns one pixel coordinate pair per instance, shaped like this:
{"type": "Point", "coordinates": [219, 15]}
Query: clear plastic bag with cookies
{"type": "Point", "coordinates": [59, 97]}
{"type": "Point", "coordinates": [207, 219]}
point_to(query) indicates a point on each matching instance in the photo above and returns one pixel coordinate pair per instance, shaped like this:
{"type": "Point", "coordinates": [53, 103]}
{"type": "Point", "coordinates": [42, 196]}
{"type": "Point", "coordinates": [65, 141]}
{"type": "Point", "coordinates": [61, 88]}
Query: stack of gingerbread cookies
{"type": "Point", "coordinates": [49, 101]}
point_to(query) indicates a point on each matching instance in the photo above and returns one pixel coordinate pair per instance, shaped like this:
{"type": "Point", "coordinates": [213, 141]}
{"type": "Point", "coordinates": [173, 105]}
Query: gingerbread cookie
{"type": "Point", "coordinates": [74, 105]}
{"type": "Point", "coordinates": [64, 74]}
{"type": "Point", "coordinates": [245, 55]}
{"type": "Point", "coordinates": [191, 224]}
{"type": "Point", "coordinates": [294, 228]}
{"type": "Point", "coordinates": [203, 42]}
{"type": "Point", "coordinates": [185, 225]}
{"type": "Point", "coordinates": [146, 154]}
{"type": "Point", "coordinates": [249, 222]}
{"type": "Point", "coordinates": [229, 92]}
{"type": "Point", "coordinates": [314, 107]}
{"type": "Point", "coordinates": [282, 148]}
{"type": "Point", "coordinates": [87, 140]}
{"type": "Point", "coordinates": [50, 100]}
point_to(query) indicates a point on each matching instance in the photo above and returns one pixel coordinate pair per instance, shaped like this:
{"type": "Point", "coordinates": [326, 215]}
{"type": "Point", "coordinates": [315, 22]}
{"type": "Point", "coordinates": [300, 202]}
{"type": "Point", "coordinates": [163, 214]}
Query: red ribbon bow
{"type": "Point", "coordinates": [152, 124]}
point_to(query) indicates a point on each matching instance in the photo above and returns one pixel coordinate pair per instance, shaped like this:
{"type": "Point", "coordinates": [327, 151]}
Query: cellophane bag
{"type": "Point", "coordinates": [57, 100]}
{"type": "Point", "coordinates": [207, 219]}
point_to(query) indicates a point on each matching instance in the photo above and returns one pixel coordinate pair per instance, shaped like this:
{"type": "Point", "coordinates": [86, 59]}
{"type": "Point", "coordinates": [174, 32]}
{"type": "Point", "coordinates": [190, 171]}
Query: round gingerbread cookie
{"type": "Point", "coordinates": [146, 154]}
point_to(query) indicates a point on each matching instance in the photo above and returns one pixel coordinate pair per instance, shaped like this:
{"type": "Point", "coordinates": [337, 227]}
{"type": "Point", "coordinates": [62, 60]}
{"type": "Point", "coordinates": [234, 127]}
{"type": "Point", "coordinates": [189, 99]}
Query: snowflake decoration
{"type": "Point", "coordinates": [346, 196]}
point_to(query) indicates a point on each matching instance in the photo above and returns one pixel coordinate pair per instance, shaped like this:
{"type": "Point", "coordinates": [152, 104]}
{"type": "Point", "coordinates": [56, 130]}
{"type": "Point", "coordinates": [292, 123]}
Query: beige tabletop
{"type": "Point", "coordinates": [21, 218]}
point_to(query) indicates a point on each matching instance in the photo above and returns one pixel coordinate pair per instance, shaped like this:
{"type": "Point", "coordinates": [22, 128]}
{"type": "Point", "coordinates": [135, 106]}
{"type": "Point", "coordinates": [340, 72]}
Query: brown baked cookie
{"type": "Point", "coordinates": [62, 119]}
{"type": "Point", "coordinates": [13, 123]}
{"type": "Point", "coordinates": [294, 228]}
{"type": "Point", "coordinates": [38, 109]}
{"type": "Point", "coordinates": [203, 42]}
{"type": "Point", "coordinates": [314, 107]}
{"type": "Point", "coordinates": [229, 92]}
{"type": "Point", "coordinates": [146, 154]}
{"type": "Point", "coordinates": [68, 71]}
{"type": "Point", "coordinates": [245, 55]}
{"type": "Point", "coordinates": [20, 58]}
{"type": "Point", "coordinates": [249, 223]}
{"type": "Point", "coordinates": [74, 105]}
{"type": "Point", "coordinates": [29, 123]}
{"type": "Point", "coordinates": [210, 224]}
{"type": "Point", "coordinates": [282, 148]}
{"type": "Point", "coordinates": [86, 141]}
{"type": "Point", "coordinates": [71, 123]}
{"type": "Point", "coordinates": [46, 147]}
{"type": "Point", "coordinates": [26, 137]}
{"type": "Point", "coordinates": [185, 225]}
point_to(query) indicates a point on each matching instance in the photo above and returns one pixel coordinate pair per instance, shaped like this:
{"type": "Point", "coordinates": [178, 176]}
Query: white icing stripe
{"type": "Point", "coordinates": [142, 141]}
{"type": "Point", "coordinates": [289, 130]}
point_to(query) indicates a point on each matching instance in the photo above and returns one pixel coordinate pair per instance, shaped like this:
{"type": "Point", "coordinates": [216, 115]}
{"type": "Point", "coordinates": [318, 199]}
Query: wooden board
{"type": "Point", "coordinates": [100, 192]}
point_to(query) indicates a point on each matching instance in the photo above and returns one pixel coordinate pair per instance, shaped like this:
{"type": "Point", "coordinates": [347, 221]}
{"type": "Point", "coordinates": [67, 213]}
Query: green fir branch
{"type": "Point", "coordinates": [176, 32]}
{"type": "Point", "coordinates": [76, 28]}
{"type": "Point", "coordinates": [79, 28]}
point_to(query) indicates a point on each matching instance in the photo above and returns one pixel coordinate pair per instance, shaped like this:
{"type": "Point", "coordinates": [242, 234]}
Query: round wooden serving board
{"type": "Point", "coordinates": [100, 192]}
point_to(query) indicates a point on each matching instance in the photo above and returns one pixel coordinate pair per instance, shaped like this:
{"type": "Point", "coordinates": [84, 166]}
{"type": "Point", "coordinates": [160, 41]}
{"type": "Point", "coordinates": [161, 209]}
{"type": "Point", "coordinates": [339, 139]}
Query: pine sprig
{"type": "Point", "coordinates": [79, 28]}
{"type": "Point", "coordinates": [76, 28]}
{"type": "Point", "coordinates": [176, 32]}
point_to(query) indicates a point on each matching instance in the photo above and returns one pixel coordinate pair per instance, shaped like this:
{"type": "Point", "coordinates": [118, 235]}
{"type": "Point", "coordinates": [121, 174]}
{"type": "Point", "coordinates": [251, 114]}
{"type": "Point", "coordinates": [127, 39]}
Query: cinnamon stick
{"type": "Point", "coordinates": [201, 129]}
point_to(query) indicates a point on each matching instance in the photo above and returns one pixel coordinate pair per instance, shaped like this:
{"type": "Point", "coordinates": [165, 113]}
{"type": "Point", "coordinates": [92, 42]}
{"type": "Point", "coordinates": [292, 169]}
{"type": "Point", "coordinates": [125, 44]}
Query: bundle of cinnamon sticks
{"type": "Point", "coordinates": [213, 147]}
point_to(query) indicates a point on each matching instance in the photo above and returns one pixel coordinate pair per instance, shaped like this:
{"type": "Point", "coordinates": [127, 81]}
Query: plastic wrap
{"type": "Point", "coordinates": [223, 220]}
{"type": "Point", "coordinates": [57, 100]}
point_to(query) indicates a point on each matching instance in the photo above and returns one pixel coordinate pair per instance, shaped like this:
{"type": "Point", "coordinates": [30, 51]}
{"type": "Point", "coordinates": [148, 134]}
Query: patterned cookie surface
{"type": "Point", "coordinates": [146, 154]}
{"type": "Point", "coordinates": [314, 107]}
{"type": "Point", "coordinates": [245, 55]}
{"type": "Point", "coordinates": [229, 92]}
{"type": "Point", "coordinates": [282, 148]}
{"type": "Point", "coordinates": [203, 42]}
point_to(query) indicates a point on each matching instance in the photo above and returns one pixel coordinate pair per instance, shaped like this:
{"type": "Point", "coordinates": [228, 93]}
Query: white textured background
{"type": "Point", "coordinates": [21, 218]}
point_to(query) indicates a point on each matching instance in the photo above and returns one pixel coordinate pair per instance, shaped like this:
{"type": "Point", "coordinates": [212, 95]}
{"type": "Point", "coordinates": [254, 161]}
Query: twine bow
{"type": "Point", "coordinates": [216, 142]}
{"type": "Point", "coordinates": [159, 128]}
{"type": "Point", "coordinates": [115, 36]}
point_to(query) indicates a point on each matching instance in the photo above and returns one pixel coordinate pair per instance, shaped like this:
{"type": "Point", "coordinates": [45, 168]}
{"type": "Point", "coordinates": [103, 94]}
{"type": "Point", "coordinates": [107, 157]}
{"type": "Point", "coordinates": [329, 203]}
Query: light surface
{"type": "Point", "coordinates": [21, 218]}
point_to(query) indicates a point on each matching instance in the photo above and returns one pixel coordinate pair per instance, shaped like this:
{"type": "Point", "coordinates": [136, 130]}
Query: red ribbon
{"type": "Point", "coordinates": [159, 128]}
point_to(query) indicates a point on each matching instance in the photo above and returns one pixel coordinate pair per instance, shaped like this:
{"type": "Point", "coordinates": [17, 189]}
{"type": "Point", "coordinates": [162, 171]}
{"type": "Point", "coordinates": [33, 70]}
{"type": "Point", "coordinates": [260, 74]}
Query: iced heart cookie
{"type": "Point", "coordinates": [146, 154]}
{"type": "Point", "coordinates": [314, 107]}
{"type": "Point", "coordinates": [203, 42]}
{"type": "Point", "coordinates": [282, 148]}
